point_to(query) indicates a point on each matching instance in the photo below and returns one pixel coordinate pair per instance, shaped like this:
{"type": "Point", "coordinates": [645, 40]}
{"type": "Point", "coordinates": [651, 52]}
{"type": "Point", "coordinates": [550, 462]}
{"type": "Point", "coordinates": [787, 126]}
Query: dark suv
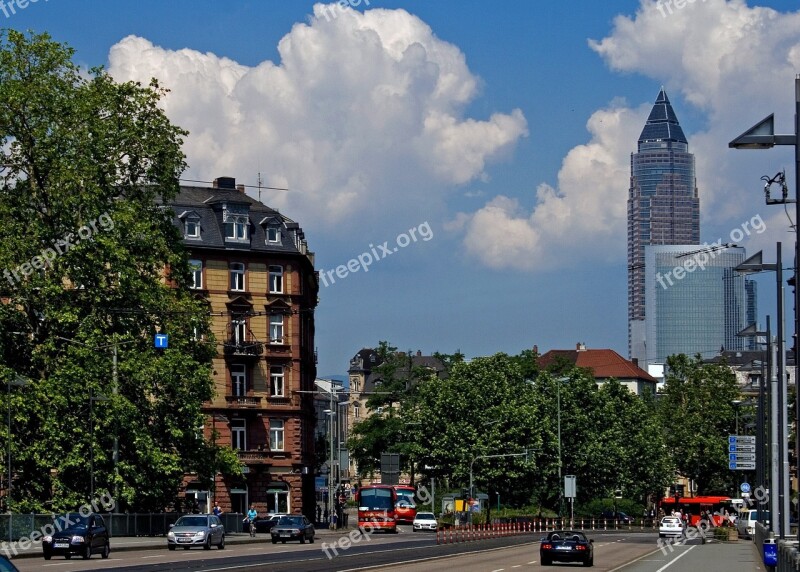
{"type": "Point", "coordinates": [76, 533]}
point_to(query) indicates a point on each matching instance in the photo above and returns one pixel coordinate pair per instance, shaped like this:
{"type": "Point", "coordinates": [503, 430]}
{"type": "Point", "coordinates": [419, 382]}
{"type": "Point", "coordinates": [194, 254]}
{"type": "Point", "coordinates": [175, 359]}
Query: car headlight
{"type": "Point", "coordinates": [296, 531]}
{"type": "Point", "coordinates": [78, 539]}
{"type": "Point", "coordinates": [171, 535]}
{"type": "Point", "coordinates": [199, 534]}
{"type": "Point", "coordinates": [48, 538]}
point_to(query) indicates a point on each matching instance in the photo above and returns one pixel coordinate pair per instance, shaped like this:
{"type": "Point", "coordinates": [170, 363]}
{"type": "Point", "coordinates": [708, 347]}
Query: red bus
{"type": "Point", "coordinates": [406, 508]}
{"type": "Point", "coordinates": [376, 507]}
{"type": "Point", "coordinates": [717, 506]}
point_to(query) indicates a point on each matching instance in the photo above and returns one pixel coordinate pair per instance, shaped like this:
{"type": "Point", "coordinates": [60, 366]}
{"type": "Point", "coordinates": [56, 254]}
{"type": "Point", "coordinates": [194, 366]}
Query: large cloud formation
{"type": "Point", "coordinates": [729, 60]}
{"type": "Point", "coordinates": [362, 118]}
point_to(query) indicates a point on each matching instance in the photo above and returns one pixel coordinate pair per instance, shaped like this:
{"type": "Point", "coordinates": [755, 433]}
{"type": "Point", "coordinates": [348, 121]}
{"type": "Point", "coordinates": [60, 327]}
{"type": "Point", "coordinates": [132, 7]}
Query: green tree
{"type": "Point", "coordinates": [90, 261]}
{"type": "Point", "coordinates": [697, 413]}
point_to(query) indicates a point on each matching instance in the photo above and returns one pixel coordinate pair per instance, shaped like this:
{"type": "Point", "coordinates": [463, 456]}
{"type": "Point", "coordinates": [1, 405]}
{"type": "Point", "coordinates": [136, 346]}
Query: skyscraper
{"type": "Point", "coordinates": [663, 206]}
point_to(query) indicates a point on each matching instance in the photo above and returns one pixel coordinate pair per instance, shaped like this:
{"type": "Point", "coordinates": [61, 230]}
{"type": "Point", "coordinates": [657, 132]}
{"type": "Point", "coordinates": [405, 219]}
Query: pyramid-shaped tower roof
{"type": "Point", "coordinates": [662, 125]}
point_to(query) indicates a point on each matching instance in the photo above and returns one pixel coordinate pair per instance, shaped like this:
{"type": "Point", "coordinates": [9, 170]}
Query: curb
{"type": "Point", "coordinates": [157, 543]}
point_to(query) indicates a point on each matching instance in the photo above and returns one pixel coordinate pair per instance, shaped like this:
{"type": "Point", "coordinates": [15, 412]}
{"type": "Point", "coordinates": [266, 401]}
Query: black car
{"type": "Point", "coordinates": [566, 546]}
{"type": "Point", "coordinates": [619, 517]}
{"type": "Point", "coordinates": [265, 523]}
{"type": "Point", "coordinates": [75, 533]}
{"type": "Point", "coordinates": [293, 527]}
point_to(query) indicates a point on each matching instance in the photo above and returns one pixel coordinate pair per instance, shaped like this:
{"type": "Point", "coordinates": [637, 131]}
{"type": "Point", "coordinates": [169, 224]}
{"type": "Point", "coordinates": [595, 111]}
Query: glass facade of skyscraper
{"type": "Point", "coordinates": [693, 310]}
{"type": "Point", "coordinates": [663, 206]}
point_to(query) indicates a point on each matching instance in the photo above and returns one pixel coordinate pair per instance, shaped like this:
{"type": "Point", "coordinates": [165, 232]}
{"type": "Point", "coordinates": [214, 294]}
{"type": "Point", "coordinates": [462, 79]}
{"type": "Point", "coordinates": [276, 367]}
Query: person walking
{"type": "Point", "coordinates": [217, 511]}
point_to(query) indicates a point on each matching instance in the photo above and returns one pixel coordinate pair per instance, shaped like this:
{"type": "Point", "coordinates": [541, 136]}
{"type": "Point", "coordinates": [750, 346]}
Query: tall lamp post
{"type": "Point", "coordinates": [762, 136]}
{"type": "Point", "coordinates": [779, 474]}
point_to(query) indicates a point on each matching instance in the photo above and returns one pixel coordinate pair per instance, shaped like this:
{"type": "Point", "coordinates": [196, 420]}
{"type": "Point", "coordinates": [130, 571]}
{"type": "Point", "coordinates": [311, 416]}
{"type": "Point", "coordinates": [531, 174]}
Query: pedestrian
{"type": "Point", "coordinates": [217, 511]}
{"type": "Point", "coordinates": [334, 521]}
{"type": "Point", "coordinates": [319, 513]}
{"type": "Point", "coordinates": [326, 514]}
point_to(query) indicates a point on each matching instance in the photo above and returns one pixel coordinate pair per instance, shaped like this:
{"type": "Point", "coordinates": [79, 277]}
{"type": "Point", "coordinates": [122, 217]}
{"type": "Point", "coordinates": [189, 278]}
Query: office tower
{"type": "Point", "coordinates": [663, 206]}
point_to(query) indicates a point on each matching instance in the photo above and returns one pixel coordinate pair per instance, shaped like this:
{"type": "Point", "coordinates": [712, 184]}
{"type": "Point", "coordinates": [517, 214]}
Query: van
{"type": "Point", "coordinates": [746, 523]}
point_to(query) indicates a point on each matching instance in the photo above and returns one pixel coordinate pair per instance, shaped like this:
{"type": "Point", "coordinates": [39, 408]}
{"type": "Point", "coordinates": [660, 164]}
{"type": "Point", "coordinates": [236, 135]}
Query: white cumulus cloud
{"type": "Point", "coordinates": [734, 63]}
{"type": "Point", "coordinates": [362, 118]}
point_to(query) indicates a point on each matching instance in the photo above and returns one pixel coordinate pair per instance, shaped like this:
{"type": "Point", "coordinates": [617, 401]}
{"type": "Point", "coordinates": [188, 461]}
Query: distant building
{"type": "Point", "coordinates": [663, 206]}
{"type": "Point", "coordinates": [252, 267]}
{"type": "Point", "coordinates": [605, 365]}
{"type": "Point", "coordinates": [695, 311]}
{"type": "Point", "coordinates": [366, 380]}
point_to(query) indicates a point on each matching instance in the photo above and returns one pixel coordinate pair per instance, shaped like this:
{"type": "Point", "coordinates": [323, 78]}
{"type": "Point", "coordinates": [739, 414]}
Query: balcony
{"type": "Point", "coordinates": [243, 402]}
{"type": "Point", "coordinates": [262, 457]}
{"type": "Point", "coordinates": [241, 350]}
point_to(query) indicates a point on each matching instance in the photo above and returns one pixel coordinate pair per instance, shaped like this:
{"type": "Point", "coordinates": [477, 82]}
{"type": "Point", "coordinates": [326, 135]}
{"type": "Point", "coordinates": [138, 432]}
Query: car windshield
{"type": "Point", "coordinates": [291, 521]}
{"type": "Point", "coordinates": [71, 519]}
{"type": "Point", "coordinates": [192, 521]}
{"type": "Point", "coordinates": [425, 516]}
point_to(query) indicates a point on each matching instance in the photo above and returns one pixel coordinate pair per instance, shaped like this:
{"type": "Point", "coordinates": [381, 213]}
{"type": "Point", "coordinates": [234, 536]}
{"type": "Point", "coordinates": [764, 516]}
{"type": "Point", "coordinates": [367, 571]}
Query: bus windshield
{"type": "Point", "coordinates": [375, 499]}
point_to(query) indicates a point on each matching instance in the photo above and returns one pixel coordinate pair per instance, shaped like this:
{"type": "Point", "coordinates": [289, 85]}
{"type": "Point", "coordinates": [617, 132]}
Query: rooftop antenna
{"type": "Point", "coordinates": [259, 186]}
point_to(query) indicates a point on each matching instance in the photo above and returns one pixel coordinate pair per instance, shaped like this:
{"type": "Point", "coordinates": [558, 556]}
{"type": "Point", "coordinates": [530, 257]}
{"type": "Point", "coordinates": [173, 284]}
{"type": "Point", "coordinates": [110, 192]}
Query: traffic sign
{"type": "Point", "coordinates": [741, 448]}
{"type": "Point", "coordinates": [742, 466]}
{"type": "Point", "coordinates": [741, 439]}
{"type": "Point", "coordinates": [161, 341]}
{"type": "Point", "coordinates": [742, 457]}
{"type": "Point", "coordinates": [744, 487]}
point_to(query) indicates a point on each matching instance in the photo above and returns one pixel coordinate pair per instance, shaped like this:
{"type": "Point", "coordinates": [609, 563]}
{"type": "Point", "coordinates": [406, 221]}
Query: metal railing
{"type": "Point", "coordinates": [15, 527]}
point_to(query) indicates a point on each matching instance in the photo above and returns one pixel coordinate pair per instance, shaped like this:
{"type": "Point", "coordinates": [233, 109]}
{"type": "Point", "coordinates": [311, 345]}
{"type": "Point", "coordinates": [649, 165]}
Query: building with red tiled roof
{"type": "Point", "coordinates": [605, 364]}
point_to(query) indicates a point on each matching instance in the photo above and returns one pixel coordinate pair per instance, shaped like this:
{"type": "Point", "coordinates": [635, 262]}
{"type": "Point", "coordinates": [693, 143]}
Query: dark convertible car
{"type": "Point", "coordinates": [566, 546]}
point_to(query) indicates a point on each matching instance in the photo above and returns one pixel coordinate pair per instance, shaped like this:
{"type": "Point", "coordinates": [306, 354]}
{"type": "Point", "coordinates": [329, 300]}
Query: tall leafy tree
{"type": "Point", "coordinates": [91, 264]}
{"type": "Point", "coordinates": [697, 413]}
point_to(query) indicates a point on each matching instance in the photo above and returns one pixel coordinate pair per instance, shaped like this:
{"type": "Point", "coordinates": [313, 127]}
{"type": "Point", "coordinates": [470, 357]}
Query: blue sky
{"type": "Point", "coordinates": [503, 127]}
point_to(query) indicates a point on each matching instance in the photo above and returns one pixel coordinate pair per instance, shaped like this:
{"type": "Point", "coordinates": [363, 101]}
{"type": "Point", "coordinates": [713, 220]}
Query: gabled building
{"type": "Point", "coordinates": [252, 267]}
{"type": "Point", "coordinates": [604, 364]}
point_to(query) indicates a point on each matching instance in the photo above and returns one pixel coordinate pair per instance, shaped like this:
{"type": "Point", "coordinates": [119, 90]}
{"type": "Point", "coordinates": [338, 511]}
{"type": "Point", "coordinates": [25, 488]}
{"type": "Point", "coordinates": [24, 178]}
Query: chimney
{"type": "Point", "coordinates": [535, 349]}
{"type": "Point", "coordinates": [635, 361]}
{"type": "Point", "coordinates": [225, 183]}
{"type": "Point", "coordinates": [580, 346]}
{"type": "Point", "coordinates": [240, 188]}
{"type": "Point", "coordinates": [419, 353]}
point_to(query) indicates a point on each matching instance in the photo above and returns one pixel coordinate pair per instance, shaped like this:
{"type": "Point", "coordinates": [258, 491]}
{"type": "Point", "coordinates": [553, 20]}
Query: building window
{"type": "Point", "coordinates": [196, 268]}
{"type": "Point", "coordinates": [276, 279]}
{"type": "Point", "coordinates": [239, 434]}
{"type": "Point", "coordinates": [237, 276]}
{"type": "Point", "coordinates": [356, 410]}
{"type": "Point", "coordinates": [276, 329]}
{"type": "Point", "coordinates": [276, 378]}
{"type": "Point", "coordinates": [238, 331]}
{"type": "Point", "coordinates": [355, 384]}
{"type": "Point", "coordinates": [192, 228]}
{"type": "Point", "coordinates": [238, 380]}
{"type": "Point", "coordinates": [276, 431]}
{"type": "Point", "coordinates": [236, 228]}
{"type": "Point", "coordinates": [273, 234]}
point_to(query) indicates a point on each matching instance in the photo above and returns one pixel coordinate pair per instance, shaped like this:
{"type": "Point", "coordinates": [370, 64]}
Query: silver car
{"type": "Point", "coordinates": [204, 530]}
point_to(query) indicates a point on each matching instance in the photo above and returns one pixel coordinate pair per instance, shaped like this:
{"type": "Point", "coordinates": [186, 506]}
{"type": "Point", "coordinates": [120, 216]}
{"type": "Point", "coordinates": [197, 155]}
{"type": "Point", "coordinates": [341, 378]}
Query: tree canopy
{"type": "Point", "coordinates": [92, 266]}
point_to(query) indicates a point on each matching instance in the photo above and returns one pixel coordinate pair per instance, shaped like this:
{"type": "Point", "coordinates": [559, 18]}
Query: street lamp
{"type": "Point", "coordinates": [762, 136]}
{"type": "Point", "coordinates": [779, 475]}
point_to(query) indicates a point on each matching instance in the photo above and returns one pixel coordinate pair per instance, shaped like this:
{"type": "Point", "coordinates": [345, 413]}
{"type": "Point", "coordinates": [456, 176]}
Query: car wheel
{"type": "Point", "coordinates": [48, 556]}
{"type": "Point", "coordinates": [274, 541]}
{"type": "Point", "coordinates": [221, 545]}
{"type": "Point", "coordinates": [106, 550]}
{"type": "Point", "coordinates": [171, 546]}
{"type": "Point", "coordinates": [589, 562]}
{"type": "Point", "coordinates": [311, 540]}
{"type": "Point", "coordinates": [68, 556]}
{"type": "Point", "coordinates": [283, 542]}
{"type": "Point", "coordinates": [87, 552]}
{"type": "Point", "coordinates": [546, 561]}
{"type": "Point", "coordinates": [207, 545]}
{"type": "Point", "coordinates": [302, 540]}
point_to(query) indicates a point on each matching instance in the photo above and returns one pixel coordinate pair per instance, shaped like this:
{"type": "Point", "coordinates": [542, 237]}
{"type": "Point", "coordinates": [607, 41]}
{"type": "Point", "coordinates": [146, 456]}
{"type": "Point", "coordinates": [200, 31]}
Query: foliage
{"type": "Point", "coordinates": [697, 413]}
{"type": "Point", "coordinates": [88, 161]}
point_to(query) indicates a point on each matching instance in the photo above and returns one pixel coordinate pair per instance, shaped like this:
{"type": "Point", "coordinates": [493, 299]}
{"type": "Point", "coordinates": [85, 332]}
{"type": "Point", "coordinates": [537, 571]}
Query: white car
{"type": "Point", "coordinates": [425, 521]}
{"type": "Point", "coordinates": [670, 526]}
{"type": "Point", "coordinates": [746, 523]}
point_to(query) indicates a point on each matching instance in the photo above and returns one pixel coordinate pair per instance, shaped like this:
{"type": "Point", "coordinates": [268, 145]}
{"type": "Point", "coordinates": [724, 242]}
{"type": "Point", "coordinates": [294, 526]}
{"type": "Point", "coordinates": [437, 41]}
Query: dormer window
{"type": "Point", "coordinates": [236, 227]}
{"type": "Point", "coordinates": [192, 228]}
{"type": "Point", "coordinates": [273, 234]}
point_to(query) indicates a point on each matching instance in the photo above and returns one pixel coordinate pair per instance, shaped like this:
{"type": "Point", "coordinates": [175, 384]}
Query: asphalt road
{"type": "Point", "coordinates": [409, 552]}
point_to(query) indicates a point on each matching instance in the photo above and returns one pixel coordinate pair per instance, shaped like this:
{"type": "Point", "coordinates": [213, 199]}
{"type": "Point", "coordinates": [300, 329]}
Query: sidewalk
{"type": "Point", "coordinates": [125, 543]}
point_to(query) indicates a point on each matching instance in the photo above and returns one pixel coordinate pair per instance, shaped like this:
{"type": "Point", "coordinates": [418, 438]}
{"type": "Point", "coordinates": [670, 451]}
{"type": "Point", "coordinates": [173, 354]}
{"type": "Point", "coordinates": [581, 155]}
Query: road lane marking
{"type": "Point", "coordinates": [674, 560]}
